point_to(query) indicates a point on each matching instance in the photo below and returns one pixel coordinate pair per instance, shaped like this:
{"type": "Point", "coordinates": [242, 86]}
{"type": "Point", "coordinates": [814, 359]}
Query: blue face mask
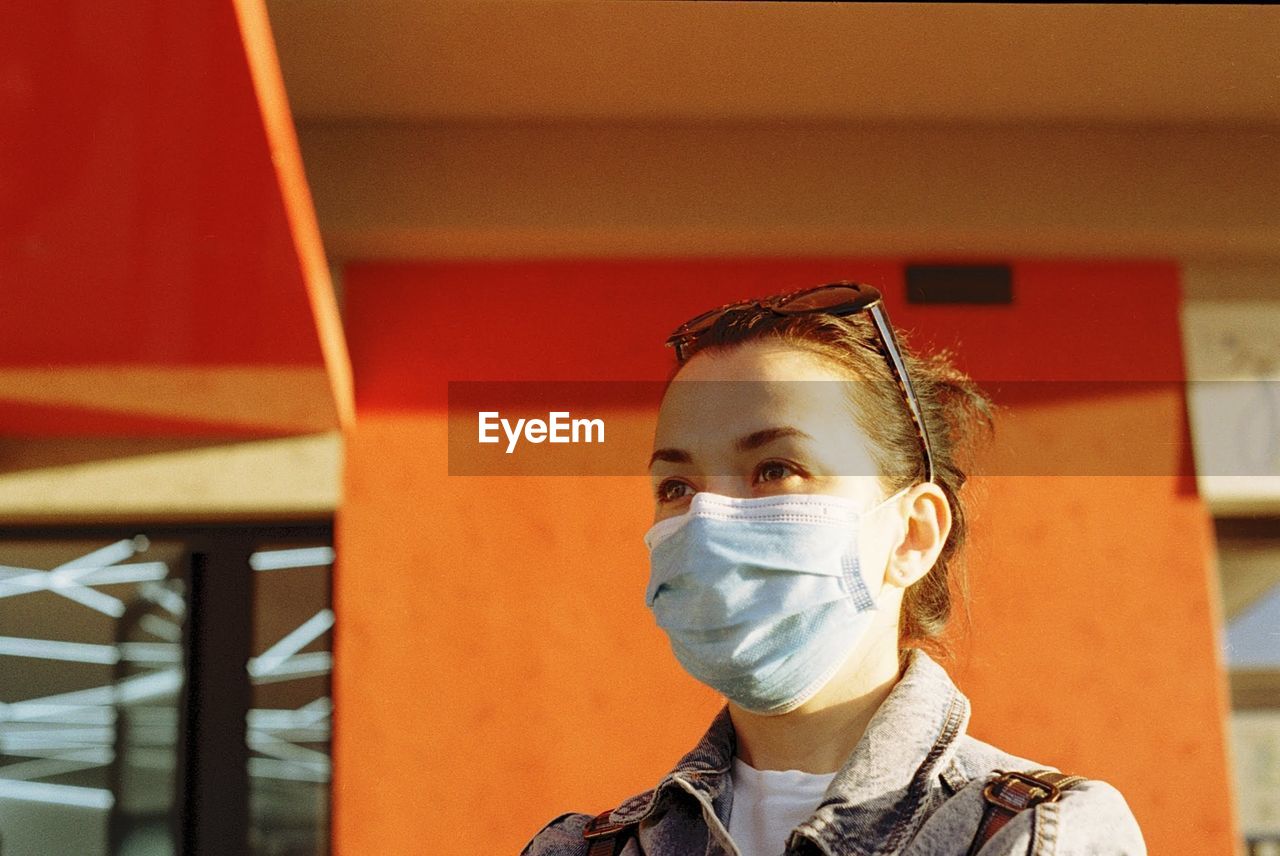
{"type": "Point", "coordinates": [763, 598]}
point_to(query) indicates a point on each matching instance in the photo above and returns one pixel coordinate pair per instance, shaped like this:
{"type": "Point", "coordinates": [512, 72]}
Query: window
{"type": "Point", "coordinates": [165, 689]}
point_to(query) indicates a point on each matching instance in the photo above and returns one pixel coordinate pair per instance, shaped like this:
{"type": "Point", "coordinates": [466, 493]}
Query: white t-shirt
{"type": "Point", "coordinates": [768, 804]}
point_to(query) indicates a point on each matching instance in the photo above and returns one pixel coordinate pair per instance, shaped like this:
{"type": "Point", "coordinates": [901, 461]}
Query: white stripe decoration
{"type": "Point", "coordinates": [302, 557]}
{"type": "Point", "coordinates": [44, 792]}
{"type": "Point", "coordinates": [272, 659]}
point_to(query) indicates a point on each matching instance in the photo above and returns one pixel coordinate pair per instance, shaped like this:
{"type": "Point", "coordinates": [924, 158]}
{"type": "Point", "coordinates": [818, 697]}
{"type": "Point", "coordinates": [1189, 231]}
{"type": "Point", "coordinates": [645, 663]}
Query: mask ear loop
{"type": "Point", "coordinates": [888, 499]}
{"type": "Point", "coordinates": [875, 599]}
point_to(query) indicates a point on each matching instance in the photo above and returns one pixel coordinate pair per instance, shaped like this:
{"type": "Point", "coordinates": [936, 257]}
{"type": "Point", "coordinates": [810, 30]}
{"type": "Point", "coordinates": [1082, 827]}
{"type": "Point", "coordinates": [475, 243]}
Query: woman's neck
{"type": "Point", "coordinates": [819, 735]}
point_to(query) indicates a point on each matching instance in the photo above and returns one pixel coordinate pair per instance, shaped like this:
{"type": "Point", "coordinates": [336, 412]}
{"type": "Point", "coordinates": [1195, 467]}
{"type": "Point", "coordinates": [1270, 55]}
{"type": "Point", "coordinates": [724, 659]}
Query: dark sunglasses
{"type": "Point", "coordinates": [837, 298]}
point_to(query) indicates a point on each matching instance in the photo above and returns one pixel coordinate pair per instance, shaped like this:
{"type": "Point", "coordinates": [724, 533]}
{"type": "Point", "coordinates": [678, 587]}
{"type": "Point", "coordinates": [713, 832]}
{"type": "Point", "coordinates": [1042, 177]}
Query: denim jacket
{"type": "Point", "coordinates": [912, 786]}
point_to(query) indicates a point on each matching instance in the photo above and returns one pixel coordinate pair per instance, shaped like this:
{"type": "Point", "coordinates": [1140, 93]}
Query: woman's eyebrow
{"type": "Point", "coordinates": [675, 456]}
{"type": "Point", "coordinates": [756, 439]}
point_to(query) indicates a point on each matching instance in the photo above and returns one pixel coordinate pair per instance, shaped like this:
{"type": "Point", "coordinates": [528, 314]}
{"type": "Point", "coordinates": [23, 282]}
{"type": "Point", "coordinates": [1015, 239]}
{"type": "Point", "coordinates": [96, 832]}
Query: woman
{"type": "Point", "coordinates": [808, 518]}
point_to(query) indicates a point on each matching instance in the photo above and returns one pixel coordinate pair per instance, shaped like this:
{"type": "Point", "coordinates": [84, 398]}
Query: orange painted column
{"type": "Point", "coordinates": [160, 264]}
{"type": "Point", "coordinates": [495, 662]}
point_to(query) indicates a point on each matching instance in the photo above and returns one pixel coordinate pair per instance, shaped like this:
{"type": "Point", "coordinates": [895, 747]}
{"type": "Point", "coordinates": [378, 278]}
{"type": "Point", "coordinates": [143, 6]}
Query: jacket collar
{"type": "Point", "coordinates": [705, 766]}
{"type": "Point", "coordinates": [877, 798]}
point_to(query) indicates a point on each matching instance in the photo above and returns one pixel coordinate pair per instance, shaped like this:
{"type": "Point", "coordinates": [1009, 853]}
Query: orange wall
{"type": "Point", "coordinates": [496, 665]}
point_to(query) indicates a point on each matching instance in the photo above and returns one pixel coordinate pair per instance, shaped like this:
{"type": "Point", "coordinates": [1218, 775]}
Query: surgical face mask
{"type": "Point", "coordinates": [763, 599]}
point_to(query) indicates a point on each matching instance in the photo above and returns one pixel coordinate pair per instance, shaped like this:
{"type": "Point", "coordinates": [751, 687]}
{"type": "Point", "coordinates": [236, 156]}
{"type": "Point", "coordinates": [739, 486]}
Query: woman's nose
{"type": "Point", "coordinates": [728, 485]}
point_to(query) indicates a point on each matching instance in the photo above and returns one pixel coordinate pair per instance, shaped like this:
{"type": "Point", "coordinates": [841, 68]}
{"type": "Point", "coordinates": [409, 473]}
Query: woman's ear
{"type": "Point", "coordinates": [927, 523]}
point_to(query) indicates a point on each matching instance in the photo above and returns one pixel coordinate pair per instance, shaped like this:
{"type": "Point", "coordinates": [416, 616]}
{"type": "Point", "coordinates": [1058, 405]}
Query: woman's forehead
{"type": "Point", "coordinates": [717, 405]}
{"type": "Point", "coordinates": [722, 398]}
{"type": "Point", "coordinates": [723, 408]}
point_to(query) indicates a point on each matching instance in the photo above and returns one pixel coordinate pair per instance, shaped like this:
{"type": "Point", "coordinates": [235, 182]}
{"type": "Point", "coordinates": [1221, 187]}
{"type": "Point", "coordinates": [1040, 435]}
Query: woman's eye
{"type": "Point", "coordinates": [673, 489]}
{"type": "Point", "coordinates": [774, 471]}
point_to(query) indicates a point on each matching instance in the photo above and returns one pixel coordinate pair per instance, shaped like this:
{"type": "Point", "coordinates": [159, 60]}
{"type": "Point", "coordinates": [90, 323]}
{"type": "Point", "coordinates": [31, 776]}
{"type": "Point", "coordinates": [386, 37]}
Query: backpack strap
{"type": "Point", "coordinates": [1010, 792]}
{"type": "Point", "coordinates": [605, 837]}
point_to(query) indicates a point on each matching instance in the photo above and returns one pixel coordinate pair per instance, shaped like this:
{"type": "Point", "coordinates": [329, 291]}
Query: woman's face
{"type": "Point", "coordinates": [777, 420]}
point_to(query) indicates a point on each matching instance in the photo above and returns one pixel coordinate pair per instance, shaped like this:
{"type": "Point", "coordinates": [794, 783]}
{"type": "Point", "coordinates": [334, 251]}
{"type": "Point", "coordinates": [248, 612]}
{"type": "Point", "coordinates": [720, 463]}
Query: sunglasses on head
{"type": "Point", "coordinates": [836, 298]}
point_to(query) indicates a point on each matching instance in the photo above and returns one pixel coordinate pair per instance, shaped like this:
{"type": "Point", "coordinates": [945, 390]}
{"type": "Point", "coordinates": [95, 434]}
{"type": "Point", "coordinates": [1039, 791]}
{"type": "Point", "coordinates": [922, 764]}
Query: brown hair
{"type": "Point", "coordinates": [953, 407]}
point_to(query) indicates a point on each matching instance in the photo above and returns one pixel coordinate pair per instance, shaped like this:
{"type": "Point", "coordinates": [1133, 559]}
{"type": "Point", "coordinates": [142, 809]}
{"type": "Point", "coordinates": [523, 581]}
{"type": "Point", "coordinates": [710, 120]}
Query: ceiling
{"type": "Point", "coordinates": [641, 60]}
